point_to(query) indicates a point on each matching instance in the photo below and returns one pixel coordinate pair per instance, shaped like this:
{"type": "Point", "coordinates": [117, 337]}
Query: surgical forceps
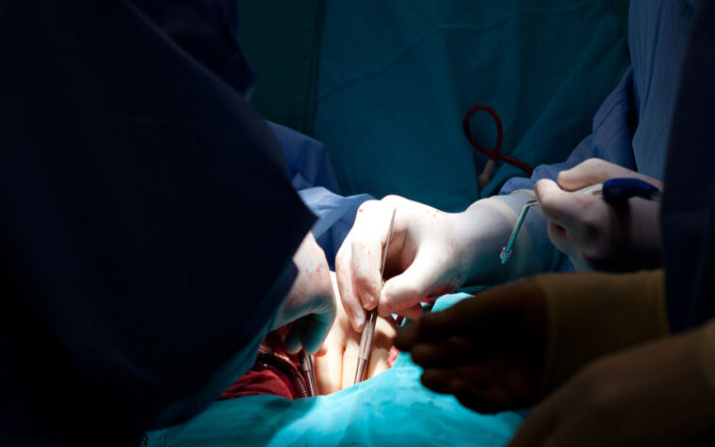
{"type": "Point", "coordinates": [306, 366]}
{"type": "Point", "coordinates": [613, 190]}
{"type": "Point", "coordinates": [368, 331]}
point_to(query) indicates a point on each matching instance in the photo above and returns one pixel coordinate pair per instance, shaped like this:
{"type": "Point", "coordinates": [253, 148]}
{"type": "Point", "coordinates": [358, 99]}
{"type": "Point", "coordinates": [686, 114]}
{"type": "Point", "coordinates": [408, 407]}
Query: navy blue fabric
{"type": "Point", "coordinates": [689, 201]}
{"type": "Point", "coordinates": [307, 159]}
{"type": "Point", "coordinates": [336, 216]}
{"type": "Point", "coordinates": [147, 221]}
{"type": "Point", "coordinates": [206, 29]}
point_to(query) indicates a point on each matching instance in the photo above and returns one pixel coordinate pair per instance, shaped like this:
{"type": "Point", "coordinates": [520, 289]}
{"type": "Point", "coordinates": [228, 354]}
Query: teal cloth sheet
{"type": "Point", "coordinates": [397, 77]}
{"type": "Point", "coordinates": [281, 39]}
{"type": "Point", "coordinates": [392, 408]}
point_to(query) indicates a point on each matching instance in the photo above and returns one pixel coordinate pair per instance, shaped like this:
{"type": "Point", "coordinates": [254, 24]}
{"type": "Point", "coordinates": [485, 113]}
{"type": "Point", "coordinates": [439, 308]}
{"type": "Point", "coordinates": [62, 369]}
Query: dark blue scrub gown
{"type": "Point", "coordinates": [689, 201]}
{"type": "Point", "coordinates": [146, 218]}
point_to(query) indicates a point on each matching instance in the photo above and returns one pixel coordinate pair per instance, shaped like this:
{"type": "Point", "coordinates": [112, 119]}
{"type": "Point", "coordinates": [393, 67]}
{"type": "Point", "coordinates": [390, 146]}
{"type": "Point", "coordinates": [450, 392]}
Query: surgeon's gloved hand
{"type": "Point", "coordinates": [508, 346]}
{"type": "Point", "coordinates": [488, 351]}
{"type": "Point", "coordinates": [428, 256]}
{"type": "Point", "coordinates": [311, 302]}
{"type": "Point", "coordinates": [336, 369]}
{"type": "Point", "coordinates": [594, 234]}
{"type": "Point", "coordinates": [654, 395]}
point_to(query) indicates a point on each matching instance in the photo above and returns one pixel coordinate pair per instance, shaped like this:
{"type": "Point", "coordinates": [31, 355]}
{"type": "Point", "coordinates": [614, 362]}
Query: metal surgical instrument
{"type": "Point", "coordinates": [368, 331]}
{"type": "Point", "coordinates": [306, 365]}
{"type": "Point", "coordinates": [613, 190]}
{"type": "Point", "coordinates": [507, 250]}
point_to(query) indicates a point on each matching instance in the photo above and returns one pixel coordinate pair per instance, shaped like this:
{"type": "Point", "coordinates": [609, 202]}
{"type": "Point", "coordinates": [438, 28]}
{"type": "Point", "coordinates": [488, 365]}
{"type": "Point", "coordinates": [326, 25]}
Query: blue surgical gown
{"type": "Point", "coordinates": [631, 128]}
{"type": "Point", "coordinates": [312, 175]}
{"type": "Point", "coordinates": [147, 219]}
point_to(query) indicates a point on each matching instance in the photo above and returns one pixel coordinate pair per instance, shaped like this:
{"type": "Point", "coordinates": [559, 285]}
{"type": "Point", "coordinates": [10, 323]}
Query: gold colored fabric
{"type": "Point", "coordinates": [707, 354]}
{"type": "Point", "coordinates": [592, 314]}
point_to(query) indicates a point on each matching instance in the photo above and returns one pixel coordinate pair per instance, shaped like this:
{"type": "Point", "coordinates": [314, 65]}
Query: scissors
{"type": "Point", "coordinates": [613, 191]}
{"type": "Point", "coordinates": [368, 331]}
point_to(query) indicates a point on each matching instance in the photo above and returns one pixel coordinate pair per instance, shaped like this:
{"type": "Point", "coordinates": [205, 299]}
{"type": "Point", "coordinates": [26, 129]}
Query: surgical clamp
{"type": "Point", "coordinates": [368, 331]}
{"type": "Point", "coordinates": [306, 366]}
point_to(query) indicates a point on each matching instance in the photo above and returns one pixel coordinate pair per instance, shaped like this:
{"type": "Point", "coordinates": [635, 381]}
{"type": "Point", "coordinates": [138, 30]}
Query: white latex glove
{"type": "Point", "coordinates": [431, 253]}
{"type": "Point", "coordinates": [336, 369]}
{"type": "Point", "coordinates": [311, 302]}
{"type": "Point", "coordinates": [593, 233]}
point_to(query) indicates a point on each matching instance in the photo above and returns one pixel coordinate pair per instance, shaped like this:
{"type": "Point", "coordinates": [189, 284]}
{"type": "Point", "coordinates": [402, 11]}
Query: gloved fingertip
{"type": "Point", "coordinates": [311, 350]}
{"type": "Point", "coordinates": [434, 382]}
{"type": "Point", "coordinates": [372, 303]}
{"type": "Point", "coordinates": [369, 300]}
{"type": "Point", "coordinates": [543, 186]}
{"type": "Point", "coordinates": [413, 312]}
{"type": "Point", "coordinates": [358, 321]}
{"type": "Point", "coordinates": [400, 343]}
{"type": "Point", "coordinates": [292, 347]}
{"type": "Point", "coordinates": [406, 338]}
{"type": "Point", "coordinates": [309, 346]}
{"type": "Point", "coordinates": [564, 176]}
{"type": "Point", "coordinates": [314, 337]}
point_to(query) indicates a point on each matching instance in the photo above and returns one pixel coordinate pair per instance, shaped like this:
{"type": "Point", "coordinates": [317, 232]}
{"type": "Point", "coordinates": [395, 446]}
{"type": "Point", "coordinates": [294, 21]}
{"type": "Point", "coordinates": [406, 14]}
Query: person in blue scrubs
{"type": "Point", "coordinates": [149, 230]}
{"type": "Point", "coordinates": [439, 252]}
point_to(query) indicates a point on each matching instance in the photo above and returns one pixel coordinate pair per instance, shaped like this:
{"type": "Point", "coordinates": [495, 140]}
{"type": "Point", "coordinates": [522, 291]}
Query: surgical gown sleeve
{"type": "Point", "coordinates": [312, 175]}
{"type": "Point", "coordinates": [147, 223]}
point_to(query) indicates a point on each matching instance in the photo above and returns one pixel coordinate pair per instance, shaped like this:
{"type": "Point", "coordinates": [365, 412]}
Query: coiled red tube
{"type": "Point", "coordinates": [493, 154]}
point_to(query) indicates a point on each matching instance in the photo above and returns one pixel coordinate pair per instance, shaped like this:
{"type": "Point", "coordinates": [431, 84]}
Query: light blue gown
{"type": "Point", "coordinates": [311, 174]}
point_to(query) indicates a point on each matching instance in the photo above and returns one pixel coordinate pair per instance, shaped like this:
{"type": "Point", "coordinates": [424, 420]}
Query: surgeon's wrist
{"type": "Point", "coordinates": [484, 229]}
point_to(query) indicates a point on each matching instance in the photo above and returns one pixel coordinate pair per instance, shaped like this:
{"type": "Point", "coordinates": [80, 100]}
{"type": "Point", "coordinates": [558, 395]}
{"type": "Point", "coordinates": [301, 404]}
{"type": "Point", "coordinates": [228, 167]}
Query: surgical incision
{"type": "Point", "coordinates": [278, 373]}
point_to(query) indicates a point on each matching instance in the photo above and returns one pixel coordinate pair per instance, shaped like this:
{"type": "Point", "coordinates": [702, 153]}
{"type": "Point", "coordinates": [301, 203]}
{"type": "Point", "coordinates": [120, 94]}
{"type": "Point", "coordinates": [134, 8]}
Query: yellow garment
{"type": "Point", "coordinates": [706, 354]}
{"type": "Point", "coordinates": [592, 314]}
